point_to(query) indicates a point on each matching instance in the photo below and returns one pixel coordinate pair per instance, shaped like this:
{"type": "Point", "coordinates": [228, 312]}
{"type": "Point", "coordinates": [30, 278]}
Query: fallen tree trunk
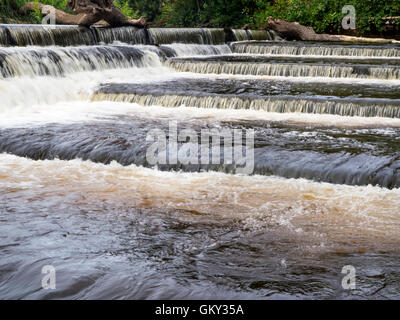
{"type": "Point", "coordinates": [296, 31]}
{"type": "Point", "coordinates": [89, 12]}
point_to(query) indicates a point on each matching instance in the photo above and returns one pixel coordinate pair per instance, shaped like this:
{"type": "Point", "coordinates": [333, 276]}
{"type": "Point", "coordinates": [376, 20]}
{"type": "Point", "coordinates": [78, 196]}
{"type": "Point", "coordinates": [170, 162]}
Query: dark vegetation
{"type": "Point", "coordinates": [322, 15]}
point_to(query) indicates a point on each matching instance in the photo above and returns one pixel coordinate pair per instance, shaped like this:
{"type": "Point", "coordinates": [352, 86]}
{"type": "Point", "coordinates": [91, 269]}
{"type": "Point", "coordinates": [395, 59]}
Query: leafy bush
{"type": "Point", "coordinates": [209, 13]}
{"type": "Point", "coordinates": [9, 10]}
{"type": "Point", "coordinates": [325, 16]}
{"type": "Point", "coordinates": [126, 8]}
{"type": "Point", "coordinates": [149, 9]}
{"type": "Point", "coordinates": [180, 13]}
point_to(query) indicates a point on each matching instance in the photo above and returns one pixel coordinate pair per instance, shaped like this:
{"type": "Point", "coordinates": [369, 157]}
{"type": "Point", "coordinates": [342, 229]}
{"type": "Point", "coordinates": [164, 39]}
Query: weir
{"type": "Point", "coordinates": [182, 50]}
{"type": "Point", "coordinates": [271, 96]}
{"type": "Point", "coordinates": [43, 35]}
{"type": "Point", "coordinates": [127, 35]}
{"type": "Point", "coordinates": [256, 88]}
{"type": "Point", "coordinates": [290, 151]}
{"type": "Point", "coordinates": [241, 35]}
{"type": "Point", "coordinates": [4, 41]}
{"type": "Point", "coordinates": [88, 116]}
{"type": "Point", "coordinates": [316, 49]}
{"type": "Point", "coordinates": [59, 61]}
{"type": "Point", "coordinates": [276, 104]}
{"type": "Point", "coordinates": [260, 35]}
{"type": "Point", "coordinates": [196, 68]}
{"type": "Point", "coordinates": [286, 69]}
{"type": "Point", "coordinates": [186, 35]}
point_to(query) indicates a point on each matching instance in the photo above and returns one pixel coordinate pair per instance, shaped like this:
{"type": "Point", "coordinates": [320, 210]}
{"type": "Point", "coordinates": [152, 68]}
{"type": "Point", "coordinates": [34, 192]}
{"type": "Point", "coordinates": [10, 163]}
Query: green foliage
{"type": "Point", "coordinates": [180, 13]}
{"type": "Point", "coordinates": [210, 13]}
{"type": "Point", "coordinates": [126, 8]}
{"type": "Point", "coordinates": [223, 13]}
{"type": "Point", "coordinates": [325, 16]}
{"type": "Point", "coordinates": [9, 10]}
{"type": "Point", "coordinates": [149, 9]}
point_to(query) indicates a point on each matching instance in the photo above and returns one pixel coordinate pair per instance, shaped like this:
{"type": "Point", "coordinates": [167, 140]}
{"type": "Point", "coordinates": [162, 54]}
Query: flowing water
{"type": "Point", "coordinates": [79, 192]}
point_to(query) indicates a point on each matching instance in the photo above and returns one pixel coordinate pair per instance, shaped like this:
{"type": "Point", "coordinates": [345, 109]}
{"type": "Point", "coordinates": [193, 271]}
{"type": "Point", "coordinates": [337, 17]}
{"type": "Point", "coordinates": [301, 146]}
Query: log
{"type": "Point", "coordinates": [296, 31]}
{"type": "Point", "coordinates": [367, 40]}
{"type": "Point", "coordinates": [89, 12]}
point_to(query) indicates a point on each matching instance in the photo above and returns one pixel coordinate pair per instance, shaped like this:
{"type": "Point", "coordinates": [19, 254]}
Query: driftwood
{"type": "Point", "coordinates": [296, 31]}
{"type": "Point", "coordinates": [89, 12]}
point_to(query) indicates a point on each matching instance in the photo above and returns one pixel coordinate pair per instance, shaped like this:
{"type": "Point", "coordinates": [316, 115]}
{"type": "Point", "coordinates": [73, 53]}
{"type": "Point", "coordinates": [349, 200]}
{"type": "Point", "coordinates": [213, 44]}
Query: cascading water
{"type": "Point", "coordinates": [58, 61]}
{"type": "Point", "coordinates": [78, 112]}
{"type": "Point", "coordinates": [124, 34]}
{"type": "Point", "coordinates": [271, 96]}
{"type": "Point", "coordinates": [181, 50]}
{"type": "Point", "coordinates": [316, 49]}
{"type": "Point", "coordinates": [189, 35]}
{"type": "Point", "coordinates": [216, 36]}
{"type": "Point", "coordinates": [260, 35]}
{"type": "Point", "coordinates": [3, 37]}
{"type": "Point", "coordinates": [389, 109]}
{"type": "Point", "coordinates": [241, 35]}
{"type": "Point", "coordinates": [26, 35]}
{"type": "Point", "coordinates": [286, 70]}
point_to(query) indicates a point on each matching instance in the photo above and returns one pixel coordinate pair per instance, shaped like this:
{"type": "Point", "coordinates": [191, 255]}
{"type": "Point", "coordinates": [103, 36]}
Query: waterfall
{"type": "Point", "coordinates": [340, 156]}
{"type": "Point", "coordinates": [3, 37]}
{"type": "Point", "coordinates": [160, 36]}
{"type": "Point", "coordinates": [182, 50]}
{"type": "Point", "coordinates": [241, 35]}
{"type": "Point", "coordinates": [128, 35]}
{"type": "Point", "coordinates": [274, 104]}
{"type": "Point", "coordinates": [45, 35]}
{"type": "Point", "coordinates": [286, 70]}
{"type": "Point", "coordinates": [42, 35]}
{"type": "Point", "coordinates": [58, 61]}
{"type": "Point", "coordinates": [217, 36]}
{"type": "Point", "coordinates": [316, 49]}
{"type": "Point", "coordinates": [260, 35]}
{"type": "Point", "coordinates": [123, 149]}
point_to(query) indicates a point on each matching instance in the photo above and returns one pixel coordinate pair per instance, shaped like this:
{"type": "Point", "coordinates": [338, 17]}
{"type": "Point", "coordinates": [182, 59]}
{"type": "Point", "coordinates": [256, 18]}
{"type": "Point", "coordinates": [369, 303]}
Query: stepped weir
{"type": "Point", "coordinates": [43, 35]}
{"type": "Point", "coordinates": [198, 69]}
{"type": "Point", "coordinates": [317, 124]}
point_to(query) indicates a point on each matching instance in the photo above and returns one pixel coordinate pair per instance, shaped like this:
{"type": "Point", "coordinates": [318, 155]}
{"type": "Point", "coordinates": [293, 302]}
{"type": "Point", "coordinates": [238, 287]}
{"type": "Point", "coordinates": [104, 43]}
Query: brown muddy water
{"type": "Point", "coordinates": [78, 193]}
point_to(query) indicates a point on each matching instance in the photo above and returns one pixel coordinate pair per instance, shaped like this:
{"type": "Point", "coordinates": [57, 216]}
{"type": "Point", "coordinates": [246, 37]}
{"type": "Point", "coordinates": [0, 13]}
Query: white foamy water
{"type": "Point", "coordinates": [191, 50]}
{"type": "Point", "coordinates": [98, 222]}
{"type": "Point", "coordinates": [86, 111]}
{"type": "Point", "coordinates": [317, 49]}
{"type": "Point", "coordinates": [25, 92]}
{"type": "Point", "coordinates": [318, 56]}
{"type": "Point", "coordinates": [328, 214]}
